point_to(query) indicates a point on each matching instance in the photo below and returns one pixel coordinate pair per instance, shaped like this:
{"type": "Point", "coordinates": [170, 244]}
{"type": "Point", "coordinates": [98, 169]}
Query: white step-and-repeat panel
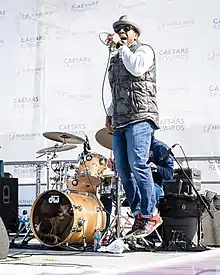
{"type": "Point", "coordinates": [52, 67]}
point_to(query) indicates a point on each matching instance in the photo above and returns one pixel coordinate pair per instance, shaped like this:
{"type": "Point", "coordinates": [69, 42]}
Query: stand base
{"type": "Point", "coordinates": [24, 241]}
{"type": "Point", "coordinates": [112, 233]}
{"type": "Point", "coordinates": [178, 241]}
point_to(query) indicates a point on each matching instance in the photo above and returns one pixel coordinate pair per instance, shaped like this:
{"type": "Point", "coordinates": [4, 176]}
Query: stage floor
{"type": "Point", "coordinates": [26, 261]}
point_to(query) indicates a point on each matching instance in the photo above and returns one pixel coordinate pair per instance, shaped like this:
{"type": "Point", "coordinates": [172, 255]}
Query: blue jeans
{"type": "Point", "coordinates": [131, 145]}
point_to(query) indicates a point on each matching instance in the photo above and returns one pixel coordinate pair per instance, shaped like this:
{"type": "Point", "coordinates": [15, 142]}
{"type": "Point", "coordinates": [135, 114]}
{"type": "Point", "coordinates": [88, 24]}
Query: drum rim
{"type": "Point", "coordinates": [32, 216]}
{"type": "Point", "coordinates": [93, 154]}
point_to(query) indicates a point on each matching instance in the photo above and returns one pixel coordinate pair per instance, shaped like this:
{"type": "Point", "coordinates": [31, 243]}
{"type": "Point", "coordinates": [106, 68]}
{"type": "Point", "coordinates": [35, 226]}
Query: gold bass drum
{"type": "Point", "coordinates": [58, 218]}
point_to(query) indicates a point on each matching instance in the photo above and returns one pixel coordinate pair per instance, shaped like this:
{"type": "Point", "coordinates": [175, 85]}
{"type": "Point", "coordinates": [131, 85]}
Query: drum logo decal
{"type": "Point", "coordinates": [54, 199]}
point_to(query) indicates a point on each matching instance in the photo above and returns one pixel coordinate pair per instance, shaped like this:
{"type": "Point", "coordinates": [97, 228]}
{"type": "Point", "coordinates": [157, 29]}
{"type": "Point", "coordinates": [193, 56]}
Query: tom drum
{"type": "Point", "coordinates": [90, 171]}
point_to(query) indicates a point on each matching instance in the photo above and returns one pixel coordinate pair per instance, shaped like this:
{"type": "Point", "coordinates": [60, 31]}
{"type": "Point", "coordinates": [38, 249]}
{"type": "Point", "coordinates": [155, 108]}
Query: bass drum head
{"type": "Point", "coordinates": [52, 218]}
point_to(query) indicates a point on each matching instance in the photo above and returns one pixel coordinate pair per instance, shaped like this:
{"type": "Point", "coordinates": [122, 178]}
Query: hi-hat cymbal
{"type": "Point", "coordinates": [56, 148]}
{"type": "Point", "coordinates": [104, 138]}
{"type": "Point", "coordinates": [63, 137]}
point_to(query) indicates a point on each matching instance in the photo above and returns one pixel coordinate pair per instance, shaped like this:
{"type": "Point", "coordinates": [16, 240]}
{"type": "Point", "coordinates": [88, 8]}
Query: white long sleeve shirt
{"type": "Point", "coordinates": [136, 63]}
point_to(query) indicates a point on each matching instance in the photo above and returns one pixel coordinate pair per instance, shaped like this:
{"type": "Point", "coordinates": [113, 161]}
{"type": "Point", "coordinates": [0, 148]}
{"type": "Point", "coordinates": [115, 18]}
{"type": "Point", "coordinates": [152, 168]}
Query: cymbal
{"type": "Point", "coordinates": [63, 137]}
{"type": "Point", "coordinates": [56, 148]}
{"type": "Point", "coordinates": [104, 138]}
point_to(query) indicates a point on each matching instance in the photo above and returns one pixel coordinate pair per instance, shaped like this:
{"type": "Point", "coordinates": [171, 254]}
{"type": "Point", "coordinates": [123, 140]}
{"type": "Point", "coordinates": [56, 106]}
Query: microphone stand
{"type": "Point", "coordinates": [118, 204]}
{"type": "Point", "coordinates": [192, 185]}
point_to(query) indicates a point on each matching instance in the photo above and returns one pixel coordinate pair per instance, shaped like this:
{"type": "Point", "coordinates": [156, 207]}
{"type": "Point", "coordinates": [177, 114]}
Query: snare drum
{"type": "Point", "coordinates": [91, 169]}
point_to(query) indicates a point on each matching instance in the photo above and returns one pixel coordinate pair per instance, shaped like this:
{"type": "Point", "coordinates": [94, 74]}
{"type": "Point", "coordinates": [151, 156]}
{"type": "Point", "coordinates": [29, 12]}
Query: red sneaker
{"type": "Point", "coordinates": [148, 226]}
{"type": "Point", "coordinates": [137, 224]}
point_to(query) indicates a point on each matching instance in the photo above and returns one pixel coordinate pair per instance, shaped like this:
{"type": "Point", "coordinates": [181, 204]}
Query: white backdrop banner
{"type": "Point", "coordinates": [52, 67]}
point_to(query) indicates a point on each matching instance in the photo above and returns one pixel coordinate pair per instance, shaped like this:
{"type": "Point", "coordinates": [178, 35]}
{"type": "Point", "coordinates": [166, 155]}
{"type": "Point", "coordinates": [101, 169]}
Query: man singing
{"type": "Point", "coordinates": [133, 115]}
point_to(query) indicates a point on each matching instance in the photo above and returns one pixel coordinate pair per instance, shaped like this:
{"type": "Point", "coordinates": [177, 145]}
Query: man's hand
{"type": "Point", "coordinates": [108, 123]}
{"type": "Point", "coordinates": [113, 39]}
{"type": "Point", "coordinates": [153, 166]}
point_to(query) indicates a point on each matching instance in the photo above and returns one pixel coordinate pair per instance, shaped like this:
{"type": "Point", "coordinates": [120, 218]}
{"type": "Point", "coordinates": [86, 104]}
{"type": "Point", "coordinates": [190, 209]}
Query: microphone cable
{"type": "Point", "coordinates": [106, 70]}
{"type": "Point", "coordinates": [187, 162]}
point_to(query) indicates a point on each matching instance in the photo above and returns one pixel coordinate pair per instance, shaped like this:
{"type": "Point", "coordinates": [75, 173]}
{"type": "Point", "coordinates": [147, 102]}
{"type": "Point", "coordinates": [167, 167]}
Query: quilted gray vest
{"type": "Point", "coordinates": [133, 98]}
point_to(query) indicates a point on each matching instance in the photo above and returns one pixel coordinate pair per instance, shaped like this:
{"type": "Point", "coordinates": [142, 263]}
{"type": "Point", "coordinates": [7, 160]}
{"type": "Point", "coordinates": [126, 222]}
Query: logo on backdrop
{"type": "Point", "coordinates": [69, 62]}
{"type": "Point", "coordinates": [76, 96]}
{"type": "Point", "coordinates": [33, 71]}
{"type": "Point", "coordinates": [137, 3]}
{"type": "Point", "coordinates": [80, 7]}
{"type": "Point", "coordinates": [23, 102]}
{"type": "Point", "coordinates": [169, 54]}
{"type": "Point", "coordinates": [32, 41]}
{"type": "Point", "coordinates": [34, 14]}
{"type": "Point", "coordinates": [213, 55]}
{"type": "Point", "coordinates": [211, 127]}
{"type": "Point", "coordinates": [176, 24]}
{"type": "Point", "coordinates": [174, 91]}
{"type": "Point", "coordinates": [216, 23]}
{"type": "Point", "coordinates": [172, 124]}
{"type": "Point", "coordinates": [54, 32]}
{"type": "Point", "coordinates": [214, 90]}
{"type": "Point", "coordinates": [75, 129]}
{"type": "Point", "coordinates": [24, 169]}
{"type": "Point", "coordinates": [24, 136]}
{"type": "Point", "coordinates": [214, 165]}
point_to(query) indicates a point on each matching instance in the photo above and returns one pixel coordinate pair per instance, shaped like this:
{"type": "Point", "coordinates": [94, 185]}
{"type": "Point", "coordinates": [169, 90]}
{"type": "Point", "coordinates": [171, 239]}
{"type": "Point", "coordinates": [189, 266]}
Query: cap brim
{"type": "Point", "coordinates": [129, 23]}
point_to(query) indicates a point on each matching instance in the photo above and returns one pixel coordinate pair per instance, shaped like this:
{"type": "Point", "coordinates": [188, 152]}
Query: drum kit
{"type": "Point", "coordinates": [71, 211]}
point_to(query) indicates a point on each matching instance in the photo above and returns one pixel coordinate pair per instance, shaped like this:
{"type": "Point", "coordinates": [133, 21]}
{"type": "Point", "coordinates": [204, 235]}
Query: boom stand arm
{"type": "Point", "coordinates": [192, 185]}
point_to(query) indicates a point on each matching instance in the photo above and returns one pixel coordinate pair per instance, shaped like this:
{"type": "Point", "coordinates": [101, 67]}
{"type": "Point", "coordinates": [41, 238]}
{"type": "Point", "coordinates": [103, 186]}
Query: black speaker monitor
{"type": "Point", "coordinates": [9, 202]}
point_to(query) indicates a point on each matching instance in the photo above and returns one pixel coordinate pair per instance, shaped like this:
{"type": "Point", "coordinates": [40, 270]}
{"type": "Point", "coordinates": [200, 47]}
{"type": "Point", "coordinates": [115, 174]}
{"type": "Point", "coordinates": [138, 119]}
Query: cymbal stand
{"type": "Point", "coordinates": [62, 176]}
{"type": "Point", "coordinates": [65, 177]}
{"type": "Point", "coordinates": [58, 183]}
{"type": "Point", "coordinates": [48, 165]}
{"type": "Point", "coordinates": [38, 180]}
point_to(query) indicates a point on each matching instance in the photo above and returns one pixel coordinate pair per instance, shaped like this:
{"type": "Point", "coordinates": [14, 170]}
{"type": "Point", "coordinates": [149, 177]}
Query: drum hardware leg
{"type": "Point", "coordinates": [84, 236]}
{"type": "Point", "coordinates": [22, 228]}
{"type": "Point", "coordinates": [27, 237]}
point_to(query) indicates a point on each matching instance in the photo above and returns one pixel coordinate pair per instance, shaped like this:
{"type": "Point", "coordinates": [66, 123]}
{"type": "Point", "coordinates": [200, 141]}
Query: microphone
{"type": "Point", "coordinates": [113, 47]}
{"type": "Point", "coordinates": [168, 152]}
